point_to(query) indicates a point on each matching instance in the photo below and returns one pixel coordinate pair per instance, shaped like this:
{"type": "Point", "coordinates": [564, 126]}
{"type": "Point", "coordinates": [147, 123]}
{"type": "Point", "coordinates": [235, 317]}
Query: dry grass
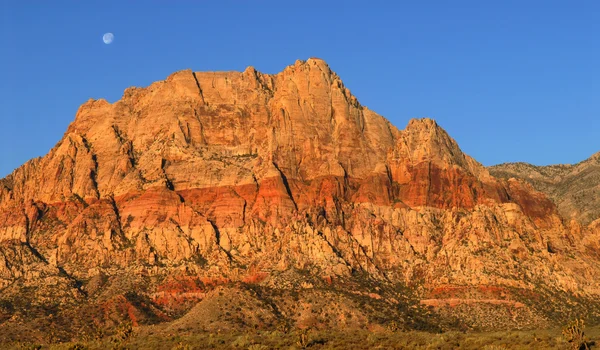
{"type": "Point", "coordinates": [360, 339]}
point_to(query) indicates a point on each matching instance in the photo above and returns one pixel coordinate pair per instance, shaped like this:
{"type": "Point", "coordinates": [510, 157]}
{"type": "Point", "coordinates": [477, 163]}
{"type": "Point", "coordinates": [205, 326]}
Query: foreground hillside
{"type": "Point", "coordinates": [239, 200]}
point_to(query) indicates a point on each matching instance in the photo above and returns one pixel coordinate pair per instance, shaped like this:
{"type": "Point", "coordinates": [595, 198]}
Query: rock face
{"type": "Point", "coordinates": [574, 188]}
{"type": "Point", "coordinates": [244, 176]}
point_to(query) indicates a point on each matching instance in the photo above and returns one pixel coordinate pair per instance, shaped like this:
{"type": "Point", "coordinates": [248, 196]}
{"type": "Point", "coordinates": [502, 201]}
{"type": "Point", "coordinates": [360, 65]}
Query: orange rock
{"type": "Point", "coordinates": [207, 172]}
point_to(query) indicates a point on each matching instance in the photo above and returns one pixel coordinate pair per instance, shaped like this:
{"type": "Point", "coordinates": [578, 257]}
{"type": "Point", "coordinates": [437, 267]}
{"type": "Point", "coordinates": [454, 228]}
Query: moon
{"type": "Point", "coordinates": [108, 38]}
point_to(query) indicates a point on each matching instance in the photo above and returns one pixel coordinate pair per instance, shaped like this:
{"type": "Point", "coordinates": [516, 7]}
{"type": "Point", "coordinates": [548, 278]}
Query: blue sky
{"type": "Point", "coordinates": [509, 80]}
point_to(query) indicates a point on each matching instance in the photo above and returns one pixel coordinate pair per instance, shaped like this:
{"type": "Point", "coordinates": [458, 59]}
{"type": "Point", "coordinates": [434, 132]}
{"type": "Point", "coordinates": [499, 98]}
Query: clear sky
{"type": "Point", "coordinates": [509, 80]}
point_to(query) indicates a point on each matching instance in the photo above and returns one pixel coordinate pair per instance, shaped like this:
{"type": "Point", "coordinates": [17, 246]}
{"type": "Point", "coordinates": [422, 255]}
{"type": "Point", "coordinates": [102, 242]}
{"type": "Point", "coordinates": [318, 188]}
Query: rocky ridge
{"type": "Point", "coordinates": [575, 188]}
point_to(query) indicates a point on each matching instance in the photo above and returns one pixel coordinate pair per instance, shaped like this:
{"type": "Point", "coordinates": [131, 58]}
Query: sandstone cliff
{"type": "Point", "coordinates": [244, 176]}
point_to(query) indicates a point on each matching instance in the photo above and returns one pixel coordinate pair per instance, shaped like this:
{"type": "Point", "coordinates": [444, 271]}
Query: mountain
{"type": "Point", "coordinates": [226, 200]}
{"type": "Point", "coordinates": [574, 188]}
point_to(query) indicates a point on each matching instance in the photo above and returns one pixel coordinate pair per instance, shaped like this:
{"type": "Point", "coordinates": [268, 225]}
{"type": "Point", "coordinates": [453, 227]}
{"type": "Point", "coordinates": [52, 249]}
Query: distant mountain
{"type": "Point", "coordinates": [216, 201]}
{"type": "Point", "coordinates": [574, 188]}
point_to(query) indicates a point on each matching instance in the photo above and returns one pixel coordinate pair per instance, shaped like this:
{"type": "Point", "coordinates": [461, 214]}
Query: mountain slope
{"type": "Point", "coordinates": [283, 182]}
{"type": "Point", "coordinates": [574, 188]}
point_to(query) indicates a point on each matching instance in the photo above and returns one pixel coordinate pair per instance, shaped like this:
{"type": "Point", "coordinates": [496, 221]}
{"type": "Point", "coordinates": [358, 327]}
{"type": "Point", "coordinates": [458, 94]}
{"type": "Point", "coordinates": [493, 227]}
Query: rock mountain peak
{"type": "Point", "coordinates": [226, 175]}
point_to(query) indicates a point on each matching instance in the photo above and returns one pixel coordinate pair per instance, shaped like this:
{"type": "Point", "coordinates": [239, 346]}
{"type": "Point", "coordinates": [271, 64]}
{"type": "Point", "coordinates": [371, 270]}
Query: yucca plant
{"type": "Point", "coordinates": [303, 338]}
{"type": "Point", "coordinates": [574, 334]}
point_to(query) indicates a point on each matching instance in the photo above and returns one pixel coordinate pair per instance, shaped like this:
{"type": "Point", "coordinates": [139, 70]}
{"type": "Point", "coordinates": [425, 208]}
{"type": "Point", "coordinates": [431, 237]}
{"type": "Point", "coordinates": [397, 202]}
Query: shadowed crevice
{"type": "Point", "coordinates": [61, 271]}
{"type": "Point", "coordinates": [286, 184]}
{"type": "Point", "coordinates": [199, 88]}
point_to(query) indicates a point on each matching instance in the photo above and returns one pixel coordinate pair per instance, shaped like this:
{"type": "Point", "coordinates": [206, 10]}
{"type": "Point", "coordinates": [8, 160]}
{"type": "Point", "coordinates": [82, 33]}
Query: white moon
{"type": "Point", "coordinates": [108, 38]}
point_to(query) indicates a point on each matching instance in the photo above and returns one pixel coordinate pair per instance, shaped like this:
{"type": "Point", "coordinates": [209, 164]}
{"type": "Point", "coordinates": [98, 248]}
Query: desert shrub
{"type": "Point", "coordinates": [242, 341]}
{"type": "Point", "coordinates": [258, 347]}
{"type": "Point", "coordinates": [574, 334]}
{"type": "Point", "coordinates": [302, 341]}
{"type": "Point", "coordinates": [29, 347]}
{"type": "Point", "coordinates": [393, 326]}
{"type": "Point", "coordinates": [77, 346]}
{"type": "Point", "coordinates": [182, 346]}
{"type": "Point", "coordinates": [283, 328]}
{"type": "Point", "coordinates": [123, 332]}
